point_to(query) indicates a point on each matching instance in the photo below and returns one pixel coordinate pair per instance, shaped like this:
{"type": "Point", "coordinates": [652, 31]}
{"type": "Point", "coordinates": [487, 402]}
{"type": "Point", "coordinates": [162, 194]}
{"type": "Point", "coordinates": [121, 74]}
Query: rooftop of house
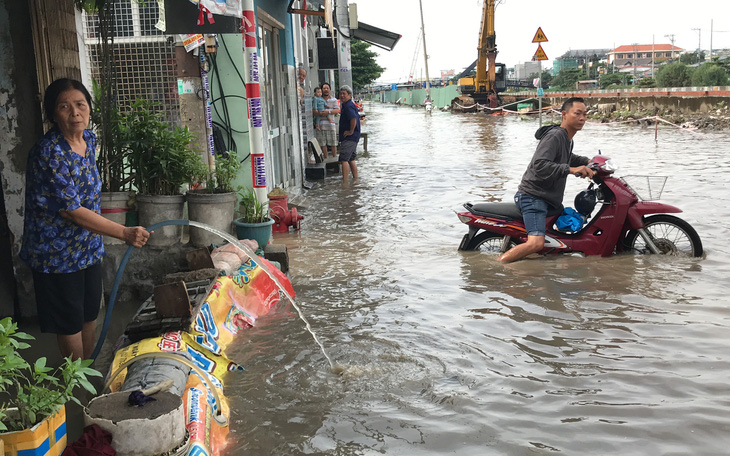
{"type": "Point", "coordinates": [646, 48]}
{"type": "Point", "coordinates": [574, 53]}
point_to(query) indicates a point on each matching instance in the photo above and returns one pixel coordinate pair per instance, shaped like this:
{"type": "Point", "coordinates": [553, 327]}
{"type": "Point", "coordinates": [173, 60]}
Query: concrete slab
{"type": "Point", "coordinates": [278, 253]}
{"type": "Point", "coordinates": [332, 164]}
{"type": "Point", "coordinates": [315, 171]}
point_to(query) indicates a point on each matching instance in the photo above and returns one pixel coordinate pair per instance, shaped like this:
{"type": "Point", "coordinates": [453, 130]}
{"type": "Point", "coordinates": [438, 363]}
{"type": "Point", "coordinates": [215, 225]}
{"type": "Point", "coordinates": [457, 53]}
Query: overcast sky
{"type": "Point", "coordinates": [452, 28]}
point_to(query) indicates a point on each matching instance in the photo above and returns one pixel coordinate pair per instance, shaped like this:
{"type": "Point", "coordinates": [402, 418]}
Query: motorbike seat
{"type": "Point", "coordinates": [507, 211]}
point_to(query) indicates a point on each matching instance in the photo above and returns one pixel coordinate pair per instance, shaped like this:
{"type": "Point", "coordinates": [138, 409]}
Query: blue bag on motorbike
{"type": "Point", "coordinates": [570, 220]}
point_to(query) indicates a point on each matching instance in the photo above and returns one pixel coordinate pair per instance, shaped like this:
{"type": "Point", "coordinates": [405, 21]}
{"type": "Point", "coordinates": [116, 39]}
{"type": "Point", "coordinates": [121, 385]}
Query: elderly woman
{"type": "Point", "coordinates": [62, 241]}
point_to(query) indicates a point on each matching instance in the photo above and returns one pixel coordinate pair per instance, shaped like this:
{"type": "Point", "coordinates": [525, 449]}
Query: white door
{"type": "Point", "coordinates": [278, 171]}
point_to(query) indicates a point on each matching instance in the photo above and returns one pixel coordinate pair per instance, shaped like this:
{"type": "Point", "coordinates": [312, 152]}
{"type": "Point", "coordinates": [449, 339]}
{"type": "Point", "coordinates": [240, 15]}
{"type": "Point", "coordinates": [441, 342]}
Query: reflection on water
{"type": "Point", "coordinates": [451, 352]}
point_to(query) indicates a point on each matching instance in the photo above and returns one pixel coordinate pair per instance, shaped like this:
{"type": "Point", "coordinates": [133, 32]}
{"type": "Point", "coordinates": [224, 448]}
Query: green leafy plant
{"type": "Point", "coordinates": [226, 169]}
{"type": "Point", "coordinates": [40, 391]}
{"type": "Point", "coordinates": [221, 180]}
{"type": "Point", "coordinates": [161, 157]}
{"type": "Point", "coordinates": [250, 208]}
{"type": "Point", "coordinates": [107, 120]}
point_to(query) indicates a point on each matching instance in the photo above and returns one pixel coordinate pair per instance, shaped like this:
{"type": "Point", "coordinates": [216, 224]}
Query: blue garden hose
{"type": "Point", "coordinates": [118, 279]}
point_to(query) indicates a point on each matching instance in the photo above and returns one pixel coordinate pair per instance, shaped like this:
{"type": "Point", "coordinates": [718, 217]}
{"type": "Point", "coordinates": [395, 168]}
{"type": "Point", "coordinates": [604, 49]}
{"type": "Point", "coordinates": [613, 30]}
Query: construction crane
{"type": "Point", "coordinates": [490, 76]}
{"type": "Point", "coordinates": [415, 58]}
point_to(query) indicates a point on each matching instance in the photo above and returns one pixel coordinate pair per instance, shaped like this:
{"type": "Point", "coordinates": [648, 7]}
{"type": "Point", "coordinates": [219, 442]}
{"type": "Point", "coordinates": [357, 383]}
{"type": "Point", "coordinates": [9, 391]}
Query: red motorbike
{"type": "Point", "coordinates": [623, 222]}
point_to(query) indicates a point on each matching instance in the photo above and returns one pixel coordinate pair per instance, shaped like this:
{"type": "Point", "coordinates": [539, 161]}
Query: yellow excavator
{"type": "Point", "coordinates": [490, 77]}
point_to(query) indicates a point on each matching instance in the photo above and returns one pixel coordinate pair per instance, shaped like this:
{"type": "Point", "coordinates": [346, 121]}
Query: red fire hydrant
{"type": "Point", "coordinates": [282, 215]}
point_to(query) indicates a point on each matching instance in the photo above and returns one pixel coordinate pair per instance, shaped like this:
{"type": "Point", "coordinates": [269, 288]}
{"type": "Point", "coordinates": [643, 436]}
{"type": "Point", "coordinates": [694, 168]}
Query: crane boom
{"type": "Point", "coordinates": [487, 49]}
{"type": "Point", "coordinates": [489, 74]}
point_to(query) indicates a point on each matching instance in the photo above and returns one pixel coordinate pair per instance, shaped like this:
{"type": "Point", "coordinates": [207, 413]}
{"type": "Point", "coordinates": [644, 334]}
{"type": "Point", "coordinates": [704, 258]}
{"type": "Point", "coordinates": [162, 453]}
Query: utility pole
{"type": "Point", "coordinates": [652, 58]}
{"type": "Point", "coordinates": [343, 24]}
{"type": "Point", "coordinates": [671, 39]}
{"type": "Point", "coordinates": [710, 40]}
{"type": "Point", "coordinates": [636, 57]}
{"type": "Point", "coordinates": [699, 43]}
{"type": "Point", "coordinates": [425, 53]}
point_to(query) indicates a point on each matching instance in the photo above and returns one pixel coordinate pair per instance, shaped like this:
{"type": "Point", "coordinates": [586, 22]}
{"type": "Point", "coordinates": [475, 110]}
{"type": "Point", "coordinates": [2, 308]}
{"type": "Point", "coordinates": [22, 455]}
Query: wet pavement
{"type": "Point", "coordinates": [450, 352]}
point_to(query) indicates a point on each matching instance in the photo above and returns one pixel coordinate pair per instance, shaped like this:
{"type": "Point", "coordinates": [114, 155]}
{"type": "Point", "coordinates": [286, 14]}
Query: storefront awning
{"type": "Point", "coordinates": [375, 36]}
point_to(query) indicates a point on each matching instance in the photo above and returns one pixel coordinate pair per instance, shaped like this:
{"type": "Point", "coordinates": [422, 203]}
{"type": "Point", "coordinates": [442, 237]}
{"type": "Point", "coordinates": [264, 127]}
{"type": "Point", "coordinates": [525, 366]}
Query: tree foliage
{"type": "Point", "coordinates": [365, 69]}
{"type": "Point", "coordinates": [611, 79]}
{"type": "Point", "coordinates": [675, 74]}
{"type": "Point", "coordinates": [709, 74]}
{"type": "Point", "coordinates": [567, 78]}
{"type": "Point", "coordinates": [646, 83]}
{"type": "Point", "coordinates": [692, 58]}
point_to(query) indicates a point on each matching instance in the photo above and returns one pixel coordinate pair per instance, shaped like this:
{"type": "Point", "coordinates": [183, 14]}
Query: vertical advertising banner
{"type": "Point", "coordinates": [253, 93]}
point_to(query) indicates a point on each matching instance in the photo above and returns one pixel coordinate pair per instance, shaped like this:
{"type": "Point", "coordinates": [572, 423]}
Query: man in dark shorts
{"type": "Point", "coordinates": [543, 184]}
{"type": "Point", "coordinates": [349, 133]}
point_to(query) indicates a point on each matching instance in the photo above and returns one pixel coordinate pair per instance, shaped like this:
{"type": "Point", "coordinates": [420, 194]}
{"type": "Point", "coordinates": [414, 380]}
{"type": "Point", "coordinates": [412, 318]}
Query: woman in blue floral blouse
{"type": "Point", "coordinates": [62, 240]}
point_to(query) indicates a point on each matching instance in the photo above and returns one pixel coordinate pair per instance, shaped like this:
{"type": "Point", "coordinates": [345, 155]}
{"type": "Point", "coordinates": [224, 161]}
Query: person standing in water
{"type": "Point", "coordinates": [327, 126]}
{"type": "Point", "coordinates": [349, 133]}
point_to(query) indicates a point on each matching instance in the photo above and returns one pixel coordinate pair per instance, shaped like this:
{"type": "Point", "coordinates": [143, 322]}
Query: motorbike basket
{"type": "Point", "coordinates": [647, 188]}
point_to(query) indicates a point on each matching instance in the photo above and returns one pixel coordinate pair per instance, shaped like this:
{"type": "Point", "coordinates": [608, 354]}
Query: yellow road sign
{"type": "Point", "coordinates": [540, 53]}
{"type": "Point", "coordinates": [539, 36]}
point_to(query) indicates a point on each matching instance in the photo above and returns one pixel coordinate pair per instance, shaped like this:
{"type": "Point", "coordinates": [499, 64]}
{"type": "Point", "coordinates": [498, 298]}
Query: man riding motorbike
{"type": "Point", "coordinates": [543, 183]}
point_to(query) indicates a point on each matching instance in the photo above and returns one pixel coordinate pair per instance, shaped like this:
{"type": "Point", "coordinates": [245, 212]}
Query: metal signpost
{"type": "Point", "coordinates": [539, 56]}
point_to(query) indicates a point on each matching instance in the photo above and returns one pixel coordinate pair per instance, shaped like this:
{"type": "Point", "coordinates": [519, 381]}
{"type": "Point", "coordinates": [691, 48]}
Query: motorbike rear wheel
{"type": "Point", "coordinates": [488, 242]}
{"type": "Point", "coordinates": [671, 235]}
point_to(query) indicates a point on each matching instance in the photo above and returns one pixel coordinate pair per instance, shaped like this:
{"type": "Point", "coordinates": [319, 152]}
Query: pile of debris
{"type": "Point", "coordinates": [716, 119]}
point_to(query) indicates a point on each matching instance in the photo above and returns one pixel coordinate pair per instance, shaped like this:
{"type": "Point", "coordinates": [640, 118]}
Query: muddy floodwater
{"type": "Point", "coordinates": [450, 352]}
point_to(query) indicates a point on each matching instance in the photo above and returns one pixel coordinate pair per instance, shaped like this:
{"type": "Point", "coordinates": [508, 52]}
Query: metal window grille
{"type": "Point", "coordinates": [148, 17]}
{"type": "Point", "coordinates": [144, 57]}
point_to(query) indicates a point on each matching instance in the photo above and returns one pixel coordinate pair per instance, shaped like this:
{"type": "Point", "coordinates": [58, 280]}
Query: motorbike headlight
{"type": "Point", "coordinates": [609, 166]}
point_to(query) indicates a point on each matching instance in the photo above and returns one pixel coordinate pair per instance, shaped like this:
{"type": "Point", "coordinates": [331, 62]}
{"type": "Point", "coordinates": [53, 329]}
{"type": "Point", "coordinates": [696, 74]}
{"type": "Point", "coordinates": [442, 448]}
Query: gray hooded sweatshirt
{"type": "Point", "coordinates": [548, 170]}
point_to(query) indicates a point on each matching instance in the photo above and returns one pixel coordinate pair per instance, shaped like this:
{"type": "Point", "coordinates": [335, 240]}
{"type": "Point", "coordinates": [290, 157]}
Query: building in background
{"type": "Point", "coordinates": [586, 55]}
{"type": "Point", "coordinates": [563, 64]}
{"type": "Point", "coordinates": [579, 58]}
{"type": "Point", "coordinates": [641, 55]}
{"type": "Point", "coordinates": [527, 70]}
{"type": "Point", "coordinates": [47, 41]}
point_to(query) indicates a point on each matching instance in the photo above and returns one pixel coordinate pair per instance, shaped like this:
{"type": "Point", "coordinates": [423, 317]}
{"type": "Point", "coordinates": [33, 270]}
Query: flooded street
{"type": "Point", "coordinates": [450, 352]}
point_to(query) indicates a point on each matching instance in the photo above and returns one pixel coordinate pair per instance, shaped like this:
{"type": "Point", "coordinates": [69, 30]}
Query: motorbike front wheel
{"type": "Point", "coordinates": [488, 242]}
{"type": "Point", "coordinates": [671, 235]}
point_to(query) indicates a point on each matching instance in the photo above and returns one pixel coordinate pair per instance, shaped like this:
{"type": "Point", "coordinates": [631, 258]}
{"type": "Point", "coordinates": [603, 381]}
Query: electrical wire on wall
{"type": "Point", "coordinates": [226, 131]}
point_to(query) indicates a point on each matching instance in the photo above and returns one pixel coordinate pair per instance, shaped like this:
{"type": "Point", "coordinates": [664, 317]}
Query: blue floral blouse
{"type": "Point", "coordinates": [59, 179]}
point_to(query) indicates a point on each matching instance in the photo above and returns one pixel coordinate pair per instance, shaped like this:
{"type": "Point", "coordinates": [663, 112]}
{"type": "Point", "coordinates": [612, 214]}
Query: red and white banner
{"type": "Point", "coordinates": [253, 93]}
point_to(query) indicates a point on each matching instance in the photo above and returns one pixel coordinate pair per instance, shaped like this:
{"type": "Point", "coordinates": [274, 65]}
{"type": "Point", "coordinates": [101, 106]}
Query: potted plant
{"type": "Point", "coordinates": [162, 159]}
{"type": "Point", "coordinates": [35, 414]}
{"type": "Point", "coordinates": [255, 222]}
{"type": "Point", "coordinates": [106, 118]}
{"type": "Point", "coordinates": [215, 203]}
{"type": "Point", "coordinates": [113, 168]}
